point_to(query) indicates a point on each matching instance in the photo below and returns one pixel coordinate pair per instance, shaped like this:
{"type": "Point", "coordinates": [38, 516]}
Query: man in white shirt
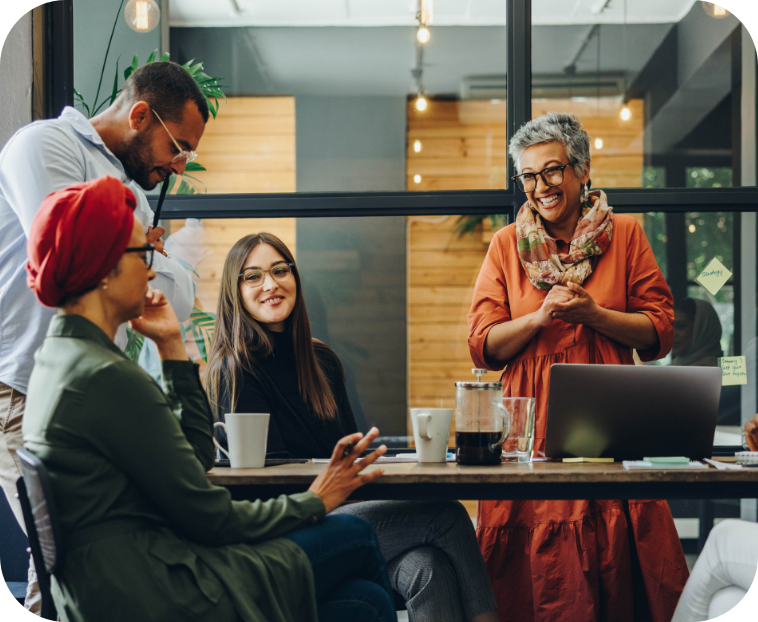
{"type": "Point", "coordinates": [148, 133]}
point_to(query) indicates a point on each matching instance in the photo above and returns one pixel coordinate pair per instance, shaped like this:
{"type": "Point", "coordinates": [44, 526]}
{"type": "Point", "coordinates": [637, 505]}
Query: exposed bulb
{"type": "Point", "coordinates": [423, 35]}
{"type": "Point", "coordinates": [417, 178]}
{"type": "Point", "coordinates": [598, 143]}
{"type": "Point", "coordinates": [417, 146]}
{"type": "Point", "coordinates": [142, 15]}
{"type": "Point", "coordinates": [714, 10]}
{"type": "Point", "coordinates": [626, 114]}
{"type": "Point", "coordinates": [421, 103]}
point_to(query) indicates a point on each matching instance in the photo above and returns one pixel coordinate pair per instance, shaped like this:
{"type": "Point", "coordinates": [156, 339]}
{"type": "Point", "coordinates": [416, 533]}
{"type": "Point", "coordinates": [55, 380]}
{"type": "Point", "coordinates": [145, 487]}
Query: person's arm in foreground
{"type": "Point", "coordinates": [751, 433]}
{"type": "Point", "coordinates": [157, 441]}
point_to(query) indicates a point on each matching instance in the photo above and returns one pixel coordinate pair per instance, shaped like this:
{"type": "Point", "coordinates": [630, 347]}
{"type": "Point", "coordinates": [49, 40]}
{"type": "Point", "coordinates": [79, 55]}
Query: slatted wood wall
{"type": "Point", "coordinates": [463, 146]}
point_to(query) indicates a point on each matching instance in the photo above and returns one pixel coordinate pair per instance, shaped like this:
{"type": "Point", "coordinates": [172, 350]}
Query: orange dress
{"type": "Point", "coordinates": [576, 561]}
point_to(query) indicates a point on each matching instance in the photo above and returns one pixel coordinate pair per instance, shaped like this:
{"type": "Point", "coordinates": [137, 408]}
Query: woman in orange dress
{"type": "Point", "coordinates": [569, 282]}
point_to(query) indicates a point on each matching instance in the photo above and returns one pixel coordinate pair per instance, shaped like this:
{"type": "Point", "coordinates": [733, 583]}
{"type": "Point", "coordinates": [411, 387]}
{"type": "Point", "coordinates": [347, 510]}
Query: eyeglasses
{"type": "Point", "coordinates": [149, 251]}
{"type": "Point", "coordinates": [187, 156]}
{"type": "Point", "coordinates": [552, 176]}
{"type": "Point", "coordinates": [254, 277]}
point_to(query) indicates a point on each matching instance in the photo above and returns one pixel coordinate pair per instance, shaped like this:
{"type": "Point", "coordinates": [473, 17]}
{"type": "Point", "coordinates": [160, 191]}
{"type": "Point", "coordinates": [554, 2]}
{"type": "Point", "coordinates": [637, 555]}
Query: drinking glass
{"type": "Point", "coordinates": [520, 412]}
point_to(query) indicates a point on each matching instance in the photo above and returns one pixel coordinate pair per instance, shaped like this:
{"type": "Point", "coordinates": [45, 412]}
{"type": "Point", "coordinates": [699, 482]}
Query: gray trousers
{"type": "Point", "coordinates": [12, 405]}
{"type": "Point", "coordinates": [433, 558]}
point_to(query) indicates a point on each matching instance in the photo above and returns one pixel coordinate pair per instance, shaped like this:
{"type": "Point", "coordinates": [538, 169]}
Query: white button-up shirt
{"type": "Point", "coordinates": [41, 158]}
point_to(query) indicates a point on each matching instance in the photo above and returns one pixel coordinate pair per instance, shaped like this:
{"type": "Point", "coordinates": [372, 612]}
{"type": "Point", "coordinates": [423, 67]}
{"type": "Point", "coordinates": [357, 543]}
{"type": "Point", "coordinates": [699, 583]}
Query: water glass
{"type": "Point", "coordinates": [520, 443]}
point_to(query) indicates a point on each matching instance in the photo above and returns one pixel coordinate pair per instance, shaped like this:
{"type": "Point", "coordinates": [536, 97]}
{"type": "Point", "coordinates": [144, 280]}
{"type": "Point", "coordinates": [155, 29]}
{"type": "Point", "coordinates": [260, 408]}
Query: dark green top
{"type": "Point", "coordinates": [147, 536]}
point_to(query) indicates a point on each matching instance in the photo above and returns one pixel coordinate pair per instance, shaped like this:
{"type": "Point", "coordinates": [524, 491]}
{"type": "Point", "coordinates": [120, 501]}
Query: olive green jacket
{"type": "Point", "coordinates": [147, 537]}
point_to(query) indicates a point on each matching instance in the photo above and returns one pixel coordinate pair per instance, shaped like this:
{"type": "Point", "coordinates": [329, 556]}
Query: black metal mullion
{"type": "Point", "coordinates": [519, 80]}
{"type": "Point", "coordinates": [59, 56]}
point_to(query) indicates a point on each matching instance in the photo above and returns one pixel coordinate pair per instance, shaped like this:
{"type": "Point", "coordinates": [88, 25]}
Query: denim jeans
{"type": "Point", "coordinates": [349, 571]}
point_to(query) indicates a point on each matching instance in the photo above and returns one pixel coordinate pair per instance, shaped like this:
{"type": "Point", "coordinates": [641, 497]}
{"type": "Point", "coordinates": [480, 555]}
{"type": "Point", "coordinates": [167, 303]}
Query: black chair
{"type": "Point", "coordinates": [42, 526]}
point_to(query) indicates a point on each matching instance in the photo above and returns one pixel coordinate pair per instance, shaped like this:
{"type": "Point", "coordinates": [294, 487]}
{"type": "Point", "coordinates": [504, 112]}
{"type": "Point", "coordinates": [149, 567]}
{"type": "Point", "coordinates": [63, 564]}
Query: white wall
{"type": "Point", "coordinates": [16, 79]}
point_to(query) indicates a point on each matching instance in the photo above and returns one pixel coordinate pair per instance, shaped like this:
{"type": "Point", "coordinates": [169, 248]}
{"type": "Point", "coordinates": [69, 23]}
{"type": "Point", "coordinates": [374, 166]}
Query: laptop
{"type": "Point", "coordinates": [627, 412]}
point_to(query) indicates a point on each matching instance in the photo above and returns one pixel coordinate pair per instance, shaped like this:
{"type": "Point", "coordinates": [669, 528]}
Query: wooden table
{"type": "Point", "coordinates": [539, 480]}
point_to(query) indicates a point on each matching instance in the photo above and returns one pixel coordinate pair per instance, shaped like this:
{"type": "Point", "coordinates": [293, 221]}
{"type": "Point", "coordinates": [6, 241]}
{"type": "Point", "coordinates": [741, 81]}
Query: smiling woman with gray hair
{"type": "Point", "coordinates": [570, 282]}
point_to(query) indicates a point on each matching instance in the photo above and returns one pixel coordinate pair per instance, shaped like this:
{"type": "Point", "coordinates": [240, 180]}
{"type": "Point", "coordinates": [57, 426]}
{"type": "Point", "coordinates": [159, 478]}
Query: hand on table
{"type": "Point", "coordinates": [342, 476]}
{"type": "Point", "coordinates": [154, 236]}
{"type": "Point", "coordinates": [751, 433]}
{"type": "Point", "coordinates": [159, 323]}
{"type": "Point", "coordinates": [581, 309]}
{"type": "Point", "coordinates": [558, 294]}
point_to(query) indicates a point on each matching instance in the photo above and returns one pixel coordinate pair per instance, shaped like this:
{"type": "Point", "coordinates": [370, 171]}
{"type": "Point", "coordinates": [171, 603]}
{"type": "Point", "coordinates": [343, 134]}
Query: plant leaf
{"type": "Point", "coordinates": [195, 68]}
{"type": "Point", "coordinates": [152, 56]}
{"type": "Point", "coordinates": [114, 93]}
{"type": "Point", "coordinates": [165, 56]}
{"type": "Point", "coordinates": [195, 166]}
{"type": "Point", "coordinates": [188, 64]}
{"type": "Point", "coordinates": [80, 100]}
{"type": "Point", "coordinates": [134, 344]}
{"type": "Point", "coordinates": [185, 188]}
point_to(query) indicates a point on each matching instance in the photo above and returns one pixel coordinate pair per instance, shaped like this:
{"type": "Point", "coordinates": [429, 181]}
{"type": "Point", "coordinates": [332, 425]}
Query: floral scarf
{"type": "Point", "coordinates": [538, 252]}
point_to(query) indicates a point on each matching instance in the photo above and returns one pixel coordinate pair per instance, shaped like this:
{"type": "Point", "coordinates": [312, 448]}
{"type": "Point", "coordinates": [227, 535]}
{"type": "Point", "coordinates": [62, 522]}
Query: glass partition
{"type": "Point", "coordinates": [391, 294]}
{"type": "Point", "coordinates": [658, 85]}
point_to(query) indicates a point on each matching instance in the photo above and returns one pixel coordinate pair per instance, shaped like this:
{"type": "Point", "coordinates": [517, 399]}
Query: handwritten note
{"type": "Point", "coordinates": [714, 276]}
{"type": "Point", "coordinates": [733, 370]}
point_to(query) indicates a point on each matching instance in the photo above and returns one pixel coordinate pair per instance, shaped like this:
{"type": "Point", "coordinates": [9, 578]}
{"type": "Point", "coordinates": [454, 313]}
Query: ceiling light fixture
{"type": "Point", "coordinates": [598, 143]}
{"type": "Point", "coordinates": [423, 35]}
{"type": "Point", "coordinates": [417, 178]}
{"type": "Point", "coordinates": [142, 15]}
{"type": "Point", "coordinates": [714, 10]}
{"type": "Point", "coordinates": [425, 11]}
{"type": "Point", "coordinates": [422, 103]}
{"type": "Point", "coordinates": [625, 114]}
{"type": "Point", "coordinates": [417, 146]}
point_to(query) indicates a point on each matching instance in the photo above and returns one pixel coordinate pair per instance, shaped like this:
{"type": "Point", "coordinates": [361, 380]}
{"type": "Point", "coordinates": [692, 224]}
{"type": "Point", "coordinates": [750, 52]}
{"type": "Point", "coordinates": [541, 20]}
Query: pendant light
{"type": "Point", "coordinates": [142, 15]}
{"type": "Point", "coordinates": [714, 10]}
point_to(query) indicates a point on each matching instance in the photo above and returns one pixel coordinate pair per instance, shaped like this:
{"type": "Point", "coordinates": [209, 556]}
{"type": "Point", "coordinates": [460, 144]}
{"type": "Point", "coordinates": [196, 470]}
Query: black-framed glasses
{"type": "Point", "coordinates": [552, 176]}
{"type": "Point", "coordinates": [149, 251]}
{"type": "Point", "coordinates": [254, 277]}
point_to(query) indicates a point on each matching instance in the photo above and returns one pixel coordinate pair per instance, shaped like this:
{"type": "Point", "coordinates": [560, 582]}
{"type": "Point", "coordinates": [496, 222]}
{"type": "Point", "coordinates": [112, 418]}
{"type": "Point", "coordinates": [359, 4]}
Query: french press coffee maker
{"type": "Point", "coordinates": [480, 425]}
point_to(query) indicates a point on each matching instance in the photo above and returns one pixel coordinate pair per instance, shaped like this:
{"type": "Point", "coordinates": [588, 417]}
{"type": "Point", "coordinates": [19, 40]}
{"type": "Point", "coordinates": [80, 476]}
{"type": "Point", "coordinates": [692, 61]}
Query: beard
{"type": "Point", "coordinates": [136, 156]}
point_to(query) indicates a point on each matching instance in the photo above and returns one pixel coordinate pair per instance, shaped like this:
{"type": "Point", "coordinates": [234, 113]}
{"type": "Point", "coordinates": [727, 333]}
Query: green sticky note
{"type": "Point", "coordinates": [668, 460]}
{"type": "Point", "coordinates": [733, 370]}
{"type": "Point", "coordinates": [714, 276]}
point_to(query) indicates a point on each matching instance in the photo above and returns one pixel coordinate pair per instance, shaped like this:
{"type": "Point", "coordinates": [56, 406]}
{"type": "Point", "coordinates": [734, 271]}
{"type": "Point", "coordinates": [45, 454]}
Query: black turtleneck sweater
{"type": "Point", "coordinates": [294, 430]}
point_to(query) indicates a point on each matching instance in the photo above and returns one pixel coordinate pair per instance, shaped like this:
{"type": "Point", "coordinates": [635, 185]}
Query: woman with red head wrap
{"type": "Point", "coordinates": [147, 537]}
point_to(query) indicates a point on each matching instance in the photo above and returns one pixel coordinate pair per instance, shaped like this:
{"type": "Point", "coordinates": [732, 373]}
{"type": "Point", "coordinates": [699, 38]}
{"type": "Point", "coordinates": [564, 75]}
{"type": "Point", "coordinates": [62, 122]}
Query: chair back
{"type": "Point", "coordinates": [42, 525]}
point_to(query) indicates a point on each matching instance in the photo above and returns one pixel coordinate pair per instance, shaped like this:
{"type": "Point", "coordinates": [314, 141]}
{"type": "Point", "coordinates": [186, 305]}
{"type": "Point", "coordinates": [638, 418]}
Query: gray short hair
{"type": "Point", "coordinates": [554, 127]}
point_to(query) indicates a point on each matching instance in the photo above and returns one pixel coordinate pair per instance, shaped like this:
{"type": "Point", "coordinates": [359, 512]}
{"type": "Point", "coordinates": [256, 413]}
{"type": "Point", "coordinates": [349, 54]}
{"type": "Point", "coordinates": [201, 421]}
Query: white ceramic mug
{"type": "Point", "coordinates": [431, 430]}
{"type": "Point", "coordinates": [246, 434]}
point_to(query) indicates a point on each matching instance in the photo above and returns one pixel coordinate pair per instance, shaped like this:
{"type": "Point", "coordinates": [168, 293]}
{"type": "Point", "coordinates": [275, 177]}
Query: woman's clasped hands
{"type": "Point", "coordinates": [343, 475]}
{"type": "Point", "coordinates": [570, 303]}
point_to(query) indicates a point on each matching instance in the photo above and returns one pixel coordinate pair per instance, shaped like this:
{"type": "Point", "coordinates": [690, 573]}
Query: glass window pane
{"type": "Point", "coordinates": [391, 294]}
{"type": "Point", "coordinates": [327, 95]}
{"type": "Point", "coordinates": [664, 89]}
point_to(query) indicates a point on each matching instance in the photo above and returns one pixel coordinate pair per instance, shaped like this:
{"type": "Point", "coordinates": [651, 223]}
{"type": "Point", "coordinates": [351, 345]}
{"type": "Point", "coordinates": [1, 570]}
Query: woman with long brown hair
{"type": "Point", "coordinates": [265, 360]}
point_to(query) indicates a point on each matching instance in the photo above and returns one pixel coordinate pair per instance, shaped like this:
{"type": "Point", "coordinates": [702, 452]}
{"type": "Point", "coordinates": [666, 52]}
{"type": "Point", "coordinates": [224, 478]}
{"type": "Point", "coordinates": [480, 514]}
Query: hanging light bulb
{"type": "Point", "coordinates": [421, 103]}
{"type": "Point", "coordinates": [626, 114]}
{"type": "Point", "coordinates": [142, 15]}
{"type": "Point", "coordinates": [417, 178]}
{"type": "Point", "coordinates": [423, 35]}
{"type": "Point", "coordinates": [417, 146]}
{"type": "Point", "coordinates": [714, 10]}
{"type": "Point", "coordinates": [598, 143]}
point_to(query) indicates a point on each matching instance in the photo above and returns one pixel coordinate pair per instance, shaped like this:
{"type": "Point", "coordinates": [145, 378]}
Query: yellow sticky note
{"type": "Point", "coordinates": [714, 276]}
{"type": "Point", "coordinates": [733, 370]}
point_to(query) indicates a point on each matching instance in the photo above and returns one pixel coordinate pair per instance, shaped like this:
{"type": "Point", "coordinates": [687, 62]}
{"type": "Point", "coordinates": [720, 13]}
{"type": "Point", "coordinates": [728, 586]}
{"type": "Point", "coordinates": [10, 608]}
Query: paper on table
{"type": "Point", "coordinates": [634, 465]}
{"type": "Point", "coordinates": [733, 370]}
{"type": "Point", "coordinates": [588, 459]}
{"type": "Point", "coordinates": [386, 459]}
{"type": "Point", "coordinates": [714, 276]}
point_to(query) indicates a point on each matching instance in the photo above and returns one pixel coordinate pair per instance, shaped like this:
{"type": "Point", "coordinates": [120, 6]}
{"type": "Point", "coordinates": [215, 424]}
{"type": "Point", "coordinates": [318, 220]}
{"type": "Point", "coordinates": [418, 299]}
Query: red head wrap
{"type": "Point", "coordinates": [77, 237]}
